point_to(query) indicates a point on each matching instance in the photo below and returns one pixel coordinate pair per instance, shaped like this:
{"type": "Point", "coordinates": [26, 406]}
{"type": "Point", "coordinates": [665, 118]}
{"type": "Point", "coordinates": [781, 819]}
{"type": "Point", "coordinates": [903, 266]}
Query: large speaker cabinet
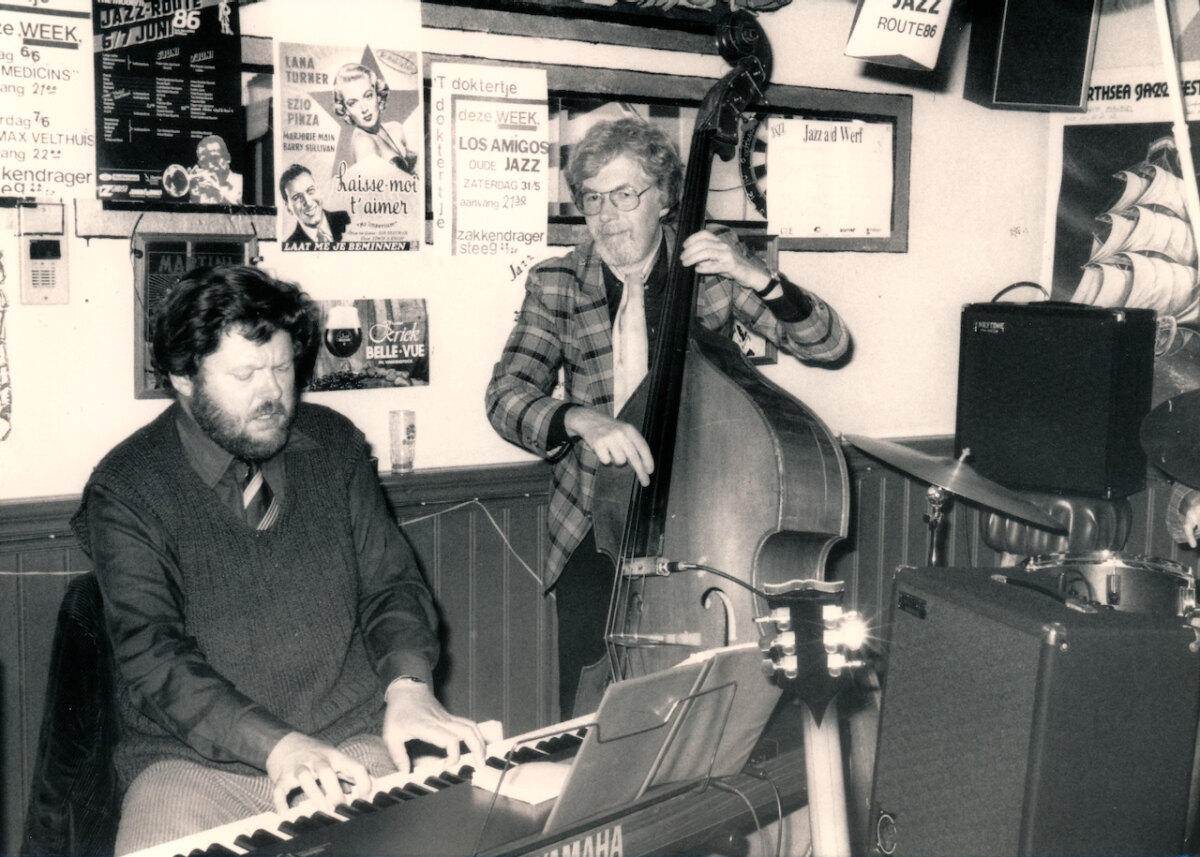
{"type": "Point", "coordinates": [1013, 725]}
{"type": "Point", "coordinates": [1031, 54]}
{"type": "Point", "coordinates": [1051, 396]}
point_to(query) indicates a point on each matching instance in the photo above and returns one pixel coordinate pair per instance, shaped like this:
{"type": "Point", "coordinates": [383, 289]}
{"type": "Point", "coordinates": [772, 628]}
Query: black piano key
{"type": "Point", "coordinates": [455, 779]}
{"type": "Point", "coordinates": [296, 827]}
{"type": "Point", "coordinates": [466, 771]}
{"type": "Point", "coordinates": [363, 806]}
{"type": "Point", "coordinates": [497, 763]}
{"type": "Point", "coordinates": [400, 793]}
{"type": "Point", "coordinates": [347, 811]}
{"type": "Point", "coordinates": [323, 819]}
{"type": "Point", "coordinates": [258, 839]}
{"type": "Point", "coordinates": [527, 754]}
{"type": "Point", "coordinates": [306, 823]}
{"type": "Point", "coordinates": [219, 850]}
{"type": "Point", "coordinates": [416, 790]}
{"type": "Point", "coordinates": [385, 799]}
{"type": "Point", "coordinates": [439, 782]}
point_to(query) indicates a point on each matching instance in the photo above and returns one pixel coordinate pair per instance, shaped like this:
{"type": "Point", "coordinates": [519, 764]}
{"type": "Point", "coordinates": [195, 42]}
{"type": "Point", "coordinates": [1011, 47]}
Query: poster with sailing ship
{"type": "Point", "coordinates": [1123, 232]}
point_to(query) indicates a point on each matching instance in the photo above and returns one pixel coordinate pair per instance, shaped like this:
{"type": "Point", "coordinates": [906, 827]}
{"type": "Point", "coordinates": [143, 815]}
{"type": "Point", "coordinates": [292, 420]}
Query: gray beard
{"type": "Point", "coordinates": [621, 254]}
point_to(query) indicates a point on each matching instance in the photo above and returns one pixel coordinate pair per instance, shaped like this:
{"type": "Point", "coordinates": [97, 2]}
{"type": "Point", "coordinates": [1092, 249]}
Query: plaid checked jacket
{"type": "Point", "coordinates": [564, 322]}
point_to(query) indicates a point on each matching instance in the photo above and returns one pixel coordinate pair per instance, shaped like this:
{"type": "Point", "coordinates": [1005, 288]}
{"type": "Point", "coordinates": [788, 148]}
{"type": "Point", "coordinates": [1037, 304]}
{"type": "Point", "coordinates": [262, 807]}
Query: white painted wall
{"type": "Point", "coordinates": [976, 223]}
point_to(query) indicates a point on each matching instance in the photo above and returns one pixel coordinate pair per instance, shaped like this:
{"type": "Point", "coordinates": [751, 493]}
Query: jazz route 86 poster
{"type": "Point", "coordinates": [169, 119]}
{"type": "Point", "coordinates": [350, 148]}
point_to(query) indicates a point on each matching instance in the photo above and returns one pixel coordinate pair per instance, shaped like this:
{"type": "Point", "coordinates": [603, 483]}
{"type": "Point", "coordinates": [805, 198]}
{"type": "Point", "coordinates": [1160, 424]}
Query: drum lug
{"type": "Point", "coordinates": [1055, 635]}
{"type": "Point", "coordinates": [1193, 620]}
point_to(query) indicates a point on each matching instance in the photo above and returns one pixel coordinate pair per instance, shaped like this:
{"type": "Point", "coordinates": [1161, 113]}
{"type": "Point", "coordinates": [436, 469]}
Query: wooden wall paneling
{"type": "Point", "coordinates": [29, 597]}
{"type": "Point", "coordinates": [530, 691]}
{"type": "Point", "coordinates": [13, 747]}
{"type": "Point", "coordinates": [499, 648]}
{"type": "Point", "coordinates": [447, 556]}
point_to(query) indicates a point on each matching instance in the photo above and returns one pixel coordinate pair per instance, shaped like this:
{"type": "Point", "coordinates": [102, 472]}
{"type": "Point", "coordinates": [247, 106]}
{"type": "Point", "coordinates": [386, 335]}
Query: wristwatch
{"type": "Point", "coordinates": [769, 287]}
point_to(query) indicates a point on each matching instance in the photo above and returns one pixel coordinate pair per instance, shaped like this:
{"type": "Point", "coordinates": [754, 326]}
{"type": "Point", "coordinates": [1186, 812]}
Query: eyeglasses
{"type": "Point", "coordinates": [623, 199]}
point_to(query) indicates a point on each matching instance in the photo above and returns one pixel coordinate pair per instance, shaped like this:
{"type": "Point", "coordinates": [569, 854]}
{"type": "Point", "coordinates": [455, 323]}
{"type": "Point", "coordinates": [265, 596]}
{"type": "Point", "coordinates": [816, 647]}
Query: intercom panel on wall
{"type": "Point", "coordinates": [44, 270]}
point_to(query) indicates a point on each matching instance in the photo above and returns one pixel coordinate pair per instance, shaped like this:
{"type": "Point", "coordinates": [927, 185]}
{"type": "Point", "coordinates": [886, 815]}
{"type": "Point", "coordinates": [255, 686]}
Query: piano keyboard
{"type": "Point", "coordinates": [424, 809]}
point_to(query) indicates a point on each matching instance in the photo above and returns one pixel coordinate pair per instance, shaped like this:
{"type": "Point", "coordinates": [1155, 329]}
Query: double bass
{"type": "Point", "coordinates": [750, 489]}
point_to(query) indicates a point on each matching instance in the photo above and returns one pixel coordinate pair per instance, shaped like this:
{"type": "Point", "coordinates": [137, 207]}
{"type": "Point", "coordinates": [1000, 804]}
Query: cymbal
{"type": "Point", "coordinates": [1170, 435]}
{"type": "Point", "coordinates": [957, 477]}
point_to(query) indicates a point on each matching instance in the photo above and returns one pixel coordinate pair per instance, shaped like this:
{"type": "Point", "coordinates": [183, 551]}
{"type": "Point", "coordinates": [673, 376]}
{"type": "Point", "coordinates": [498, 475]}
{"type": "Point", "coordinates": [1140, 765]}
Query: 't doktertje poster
{"type": "Point", "coordinates": [169, 120]}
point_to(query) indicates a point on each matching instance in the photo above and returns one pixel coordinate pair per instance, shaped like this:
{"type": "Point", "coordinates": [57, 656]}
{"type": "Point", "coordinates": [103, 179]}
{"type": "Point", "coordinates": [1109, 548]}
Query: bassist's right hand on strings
{"type": "Point", "coordinates": [614, 442]}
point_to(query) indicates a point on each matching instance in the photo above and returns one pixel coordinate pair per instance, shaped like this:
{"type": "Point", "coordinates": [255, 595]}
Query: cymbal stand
{"type": "Point", "coordinates": [935, 496]}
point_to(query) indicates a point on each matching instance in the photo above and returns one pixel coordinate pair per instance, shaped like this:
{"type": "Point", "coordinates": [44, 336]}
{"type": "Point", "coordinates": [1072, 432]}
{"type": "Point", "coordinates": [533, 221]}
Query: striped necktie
{"type": "Point", "coordinates": [256, 496]}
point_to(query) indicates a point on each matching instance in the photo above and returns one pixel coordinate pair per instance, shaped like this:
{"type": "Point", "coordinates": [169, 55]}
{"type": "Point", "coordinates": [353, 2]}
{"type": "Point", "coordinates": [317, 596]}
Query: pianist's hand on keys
{"type": "Point", "coordinates": [241, 837]}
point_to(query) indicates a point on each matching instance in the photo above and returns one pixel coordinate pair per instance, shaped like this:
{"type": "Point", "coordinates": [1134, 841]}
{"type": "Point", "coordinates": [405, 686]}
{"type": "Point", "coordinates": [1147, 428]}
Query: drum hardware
{"type": "Point", "coordinates": [1170, 436]}
{"type": "Point", "coordinates": [1118, 581]}
{"type": "Point", "coordinates": [952, 476]}
{"type": "Point", "coordinates": [1068, 600]}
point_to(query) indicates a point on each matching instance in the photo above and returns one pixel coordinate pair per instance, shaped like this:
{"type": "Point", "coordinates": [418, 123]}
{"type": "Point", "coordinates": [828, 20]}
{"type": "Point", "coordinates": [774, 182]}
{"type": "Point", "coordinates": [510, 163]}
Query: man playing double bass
{"type": "Point", "coordinates": [595, 314]}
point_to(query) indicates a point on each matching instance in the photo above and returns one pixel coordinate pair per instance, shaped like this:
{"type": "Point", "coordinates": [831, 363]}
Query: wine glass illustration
{"type": "Point", "coordinates": [343, 332]}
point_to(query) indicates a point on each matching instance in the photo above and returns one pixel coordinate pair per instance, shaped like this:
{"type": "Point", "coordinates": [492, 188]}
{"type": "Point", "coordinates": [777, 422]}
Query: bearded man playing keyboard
{"type": "Point", "coordinates": [272, 636]}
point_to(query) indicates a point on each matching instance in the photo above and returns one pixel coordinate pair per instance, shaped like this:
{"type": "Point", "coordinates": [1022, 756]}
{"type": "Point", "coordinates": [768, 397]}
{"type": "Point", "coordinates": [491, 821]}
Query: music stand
{"type": "Point", "coordinates": [676, 725]}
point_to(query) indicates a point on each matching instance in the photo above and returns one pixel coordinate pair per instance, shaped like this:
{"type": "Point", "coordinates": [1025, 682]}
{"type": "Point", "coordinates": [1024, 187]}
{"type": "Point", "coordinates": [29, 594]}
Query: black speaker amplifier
{"type": "Point", "coordinates": [1012, 724]}
{"type": "Point", "coordinates": [1051, 396]}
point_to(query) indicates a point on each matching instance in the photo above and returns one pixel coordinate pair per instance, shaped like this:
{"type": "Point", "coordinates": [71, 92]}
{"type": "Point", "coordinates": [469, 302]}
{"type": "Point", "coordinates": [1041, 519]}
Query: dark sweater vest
{"type": "Point", "coordinates": [274, 612]}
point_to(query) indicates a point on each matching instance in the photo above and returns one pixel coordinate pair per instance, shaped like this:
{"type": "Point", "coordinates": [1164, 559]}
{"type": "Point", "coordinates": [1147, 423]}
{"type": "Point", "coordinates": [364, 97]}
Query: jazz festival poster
{"type": "Point", "coordinates": [368, 344]}
{"type": "Point", "coordinates": [1120, 165]}
{"type": "Point", "coordinates": [349, 148]}
{"type": "Point", "coordinates": [169, 120]}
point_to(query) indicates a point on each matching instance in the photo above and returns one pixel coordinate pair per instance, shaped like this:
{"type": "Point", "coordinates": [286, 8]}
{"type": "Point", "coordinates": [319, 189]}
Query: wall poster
{"type": "Point", "coordinates": [5, 377]}
{"type": "Point", "coordinates": [491, 143]}
{"type": "Point", "coordinates": [349, 148]}
{"type": "Point", "coordinates": [368, 344]}
{"type": "Point", "coordinates": [169, 120]}
{"type": "Point", "coordinates": [1123, 234]}
{"type": "Point", "coordinates": [46, 145]}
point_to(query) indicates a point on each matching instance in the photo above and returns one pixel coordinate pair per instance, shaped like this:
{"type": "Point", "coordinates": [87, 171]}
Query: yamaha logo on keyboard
{"type": "Point", "coordinates": [605, 842]}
